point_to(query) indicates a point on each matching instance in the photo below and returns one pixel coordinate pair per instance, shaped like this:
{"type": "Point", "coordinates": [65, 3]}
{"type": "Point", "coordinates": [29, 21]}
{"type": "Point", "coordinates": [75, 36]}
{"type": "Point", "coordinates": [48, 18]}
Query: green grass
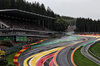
{"type": "Point", "coordinates": [81, 60]}
{"type": "Point", "coordinates": [96, 49]}
{"type": "Point", "coordinates": [10, 57]}
{"type": "Point", "coordinates": [68, 35]}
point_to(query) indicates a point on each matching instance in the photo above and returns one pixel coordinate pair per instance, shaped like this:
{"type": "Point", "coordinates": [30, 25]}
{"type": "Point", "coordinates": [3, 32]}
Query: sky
{"type": "Point", "coordinates": [73, 8]}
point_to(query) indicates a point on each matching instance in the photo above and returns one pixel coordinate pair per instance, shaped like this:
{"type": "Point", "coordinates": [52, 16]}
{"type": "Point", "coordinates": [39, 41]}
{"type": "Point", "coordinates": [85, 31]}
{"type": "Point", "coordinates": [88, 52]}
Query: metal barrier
{"type": "Point", "coordinates": [91, 52]}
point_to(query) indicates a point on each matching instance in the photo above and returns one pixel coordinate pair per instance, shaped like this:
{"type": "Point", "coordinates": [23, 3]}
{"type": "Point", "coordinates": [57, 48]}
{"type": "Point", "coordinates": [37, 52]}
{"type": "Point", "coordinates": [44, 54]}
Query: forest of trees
{"type": "Point", "coordinates": [35, 7]}
{"type": "Point", "coordinates": [87, 25]}
{"type": "Point", "coordinates": [61, 23]}
{"type": "Point", "coordinates": [70, 20]}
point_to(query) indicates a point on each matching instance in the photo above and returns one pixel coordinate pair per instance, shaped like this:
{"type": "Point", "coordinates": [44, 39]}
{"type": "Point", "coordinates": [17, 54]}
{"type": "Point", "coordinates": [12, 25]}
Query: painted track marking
{"type": "Point", "coordinates": [54, 59]}
{"type": "Point", "coordinates": [42, 60]}
{"type": "Point", "coordinates": [37, 57]}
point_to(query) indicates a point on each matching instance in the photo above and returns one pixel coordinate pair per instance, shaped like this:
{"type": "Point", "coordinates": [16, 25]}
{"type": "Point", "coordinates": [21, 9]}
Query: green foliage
{"type": "Point", "coordinates": [10, 57]}
{"type": "Point", "coordinates": [60, 24]}
{"type": "Point", "coordinates": [81, 60]}
{"type": "Point", "coordinates": [10, 65]}
{"type": "Point", "coordinates": [70, 20]}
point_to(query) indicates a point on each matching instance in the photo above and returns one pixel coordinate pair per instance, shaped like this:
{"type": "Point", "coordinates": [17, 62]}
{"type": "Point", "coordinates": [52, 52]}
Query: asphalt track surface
{"type": "Point", "coordinates": [64, 56]}
{"type": "Point", "coordinates": [38, 56]}
{"type": "Point", "coordinates": [62, 59]}
{"type": "Point", "coordinates": [84, 51]}
{"type": "Point", "coordinates": [36, 50]}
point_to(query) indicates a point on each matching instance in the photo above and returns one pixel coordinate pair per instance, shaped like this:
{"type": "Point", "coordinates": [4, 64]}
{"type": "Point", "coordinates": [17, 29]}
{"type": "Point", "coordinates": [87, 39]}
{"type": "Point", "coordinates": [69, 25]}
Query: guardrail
{"type": "Point", "coordinates": [87, 33]}
{"type": "Point", "coordinates": [91, 52]}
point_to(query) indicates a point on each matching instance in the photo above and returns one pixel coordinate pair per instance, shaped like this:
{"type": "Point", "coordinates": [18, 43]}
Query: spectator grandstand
{"type": "Point", "coordinates": [24, 23]}
{"type": "Point", "coordinates": [23, 29]}
{"type": "Point", "coordinates": [14, 18]}
{"type": "Point", "coordinates": [19, 24]}
{"type": "Point", "coordinates": [14, 23]}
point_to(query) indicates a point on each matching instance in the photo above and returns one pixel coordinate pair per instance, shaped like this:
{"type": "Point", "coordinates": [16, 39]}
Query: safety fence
{"type": "Point", "coordinates": [13, 49]}
{"type": "Point", "coordinates": [16, 48]}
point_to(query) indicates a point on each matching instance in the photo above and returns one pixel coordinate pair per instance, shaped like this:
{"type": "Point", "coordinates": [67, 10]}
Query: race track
{"type": "Point", "coordinates": [57, 53]}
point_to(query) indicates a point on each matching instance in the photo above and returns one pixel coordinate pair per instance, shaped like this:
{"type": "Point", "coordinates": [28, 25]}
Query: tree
{"type": "Point", "coordinates": [12, 4]}
{"type": "Point", "coordinates": [43, 10]}
{"type": "Point", "coordinates": [87, 25]}
{"type": "Point", "coordinates": [48, 11]}
{"type": "Point", "coordinates": [4, 4]}
{"type": "Point", "coordinates": [60, 24]}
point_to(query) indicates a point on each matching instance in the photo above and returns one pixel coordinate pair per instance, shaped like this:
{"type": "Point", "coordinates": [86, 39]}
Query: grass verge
{"type": "Point", "coordinates": [96, 49]}
{"type": "Point", "coordinates": [10, 57]}
{"type": "Point", "coordinates": [81, 60]}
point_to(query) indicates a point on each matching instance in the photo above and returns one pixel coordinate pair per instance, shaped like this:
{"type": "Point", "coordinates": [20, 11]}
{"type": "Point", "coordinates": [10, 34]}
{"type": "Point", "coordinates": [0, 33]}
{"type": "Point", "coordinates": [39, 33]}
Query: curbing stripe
{"type": "Point", "coordinates": [42, 60]}
{"type": "Point", "coordinates": [15, 59]}
{"type": "Point", "coordinates": [72, 60]}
